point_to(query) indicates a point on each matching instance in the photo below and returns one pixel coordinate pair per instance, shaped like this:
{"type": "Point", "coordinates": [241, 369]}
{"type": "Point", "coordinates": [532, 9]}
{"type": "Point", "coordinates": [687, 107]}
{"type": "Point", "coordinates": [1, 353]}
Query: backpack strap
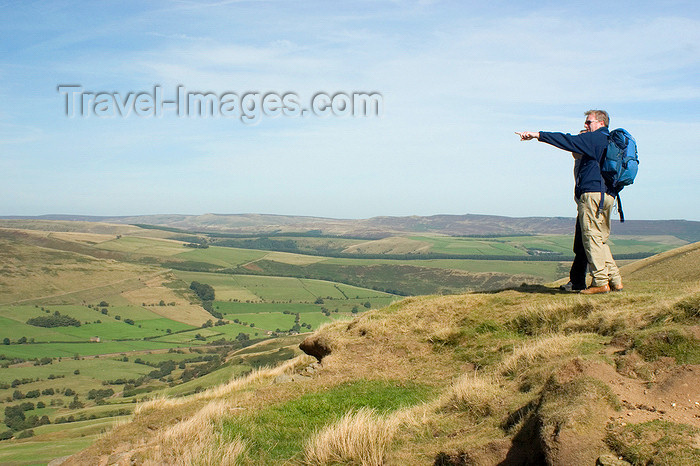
{"type": "Point", "coordinates": [603, 185]}
{"type": "Point", "coordinates": [619, 208]}
{"type": "Point", "coordinates": [600, 204]}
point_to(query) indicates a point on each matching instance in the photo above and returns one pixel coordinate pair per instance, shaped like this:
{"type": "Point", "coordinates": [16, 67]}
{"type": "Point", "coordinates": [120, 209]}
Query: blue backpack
{"type": "Point", "coordinates": [620, 164]}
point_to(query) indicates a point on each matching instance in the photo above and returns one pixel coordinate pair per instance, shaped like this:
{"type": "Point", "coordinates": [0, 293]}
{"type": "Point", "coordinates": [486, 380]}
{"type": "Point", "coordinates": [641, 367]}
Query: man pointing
{"type": "Point", "coordinates": [594, 199]}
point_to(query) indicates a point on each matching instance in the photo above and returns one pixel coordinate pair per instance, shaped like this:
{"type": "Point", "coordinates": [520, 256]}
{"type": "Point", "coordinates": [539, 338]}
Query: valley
{"type": "Point", "coordinates": [97, 318]}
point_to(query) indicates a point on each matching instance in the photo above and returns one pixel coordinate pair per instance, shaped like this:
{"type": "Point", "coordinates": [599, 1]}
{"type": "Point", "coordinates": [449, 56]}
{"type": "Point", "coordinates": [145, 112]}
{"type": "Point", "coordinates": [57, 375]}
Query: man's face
{"type": "Point", "coordinates": [592, 123]}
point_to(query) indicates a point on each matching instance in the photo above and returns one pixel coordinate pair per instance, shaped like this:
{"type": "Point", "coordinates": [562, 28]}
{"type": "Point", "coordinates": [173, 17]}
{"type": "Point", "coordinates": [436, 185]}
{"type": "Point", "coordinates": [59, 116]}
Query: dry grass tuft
{"type": "Point", "coordinates": [549, 317]}
{"type": "Point", "coordinates": [626, 312]}
{"type": "Point", "coordinates": [361, 438]}
{"type": "Point", "coordinates": [158, 404]}
{"type": "Point", "coordinates": [256, 376]}
{"type": "Point", "coordinates": [539, 350]}
{"type": "Point", "coordinates": [475, 394]}
{"type": "Point", "coordinates": [198, 440]}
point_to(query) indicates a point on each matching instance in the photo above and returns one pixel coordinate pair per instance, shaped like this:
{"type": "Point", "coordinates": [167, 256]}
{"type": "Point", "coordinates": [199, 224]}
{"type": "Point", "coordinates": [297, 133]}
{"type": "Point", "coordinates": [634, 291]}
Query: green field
{"type": "Point", "coordinates": [269, 289]}
{"type": "Point", "coordinates": [273, 301]}
{"type": "Point", "coordinates": [225, 257]}
{"type": "Point", "coordinates": [94, 323]}
{"type": "Point", "coordinates": [548, 270]}
{"type": "Point", "coordinates": [470, 246]}
{"type": "Point", "coordinates": [101, 369]}
{"type": "Point", "coordinates": [64, 350]}
{"type": "Point", "coordinates": [520, 245]}
{"type": "Point", "coordinates": [40, 452]}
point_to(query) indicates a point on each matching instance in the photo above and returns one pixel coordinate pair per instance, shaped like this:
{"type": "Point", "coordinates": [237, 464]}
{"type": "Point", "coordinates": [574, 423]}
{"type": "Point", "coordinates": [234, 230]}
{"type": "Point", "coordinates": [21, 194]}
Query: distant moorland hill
{"type": "Point", "coordinates": [378, 227]}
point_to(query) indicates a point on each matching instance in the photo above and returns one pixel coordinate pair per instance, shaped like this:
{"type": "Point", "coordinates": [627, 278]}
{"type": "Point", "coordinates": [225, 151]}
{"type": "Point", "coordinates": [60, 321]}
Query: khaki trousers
{"type": "Point", "coordinates": [595, 232]}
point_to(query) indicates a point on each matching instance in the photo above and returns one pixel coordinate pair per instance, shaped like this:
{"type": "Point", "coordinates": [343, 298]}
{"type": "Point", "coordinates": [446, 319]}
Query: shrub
{"type": "Point", "coordinates": [27, 406]}
{"type": "Point", "coordinates": [76, 403]}
{"type": "Point", "coordinates": [26, 434]}
{"type": "Point", "coordinates": [100, 394]}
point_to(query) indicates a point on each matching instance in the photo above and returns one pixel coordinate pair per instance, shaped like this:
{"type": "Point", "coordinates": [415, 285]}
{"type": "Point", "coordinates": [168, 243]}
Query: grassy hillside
{"type": "Point", "coordinates": [116, 327]}
{"type": "Point", "coordinates": [524, 376]}
{"type": "Point", "coordinates": [129, 287]}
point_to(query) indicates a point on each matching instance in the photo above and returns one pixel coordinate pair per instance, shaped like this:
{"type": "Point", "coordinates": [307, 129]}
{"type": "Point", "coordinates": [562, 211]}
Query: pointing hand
{"type": "Point", "coordinates": [527, 135]}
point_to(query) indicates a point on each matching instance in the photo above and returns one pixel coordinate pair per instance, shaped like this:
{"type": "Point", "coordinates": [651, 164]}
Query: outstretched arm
{"type": "Point", "coordinates": [527, 135]}
{"type": "Point", "coordinates": [585, 143]}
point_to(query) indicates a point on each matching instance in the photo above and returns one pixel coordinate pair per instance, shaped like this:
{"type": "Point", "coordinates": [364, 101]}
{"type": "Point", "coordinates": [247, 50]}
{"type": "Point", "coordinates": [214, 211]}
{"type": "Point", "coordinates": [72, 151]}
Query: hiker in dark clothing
{"type": "Point", "coordinates": [594, 198]}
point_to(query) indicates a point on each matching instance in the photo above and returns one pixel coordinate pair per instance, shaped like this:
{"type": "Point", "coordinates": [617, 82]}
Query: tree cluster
{"type": "Point", "coordinates": [164, 369]}
{"type": "Point", "coordinates": [55, 320]}
{"type": "Point", "coordinates": [201, 369]}
{"type": "Point", "coordinates": [204, 291]}
{"type": "Point", "coordinates": [16, 420]}
{"type": "Point", "coordinates": [99, 394]}
{"type": "Point", "coordinates": [197, 245]}
{"type": "Point", "coordinates": [206, 294]}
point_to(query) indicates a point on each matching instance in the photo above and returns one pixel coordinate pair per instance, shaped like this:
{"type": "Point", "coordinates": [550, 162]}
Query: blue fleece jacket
{"type": "Point", "coordinates": [592, 146]}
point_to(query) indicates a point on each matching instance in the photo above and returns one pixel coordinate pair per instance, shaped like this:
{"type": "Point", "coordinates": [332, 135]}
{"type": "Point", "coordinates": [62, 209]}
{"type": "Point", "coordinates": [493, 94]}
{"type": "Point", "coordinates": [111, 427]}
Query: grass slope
{"type": "Point", "coordinates": [151, 318]}
{"type": "Point", "coordinates": [525, 376]}
{"type": "Point", "coordinates": [145, 317]}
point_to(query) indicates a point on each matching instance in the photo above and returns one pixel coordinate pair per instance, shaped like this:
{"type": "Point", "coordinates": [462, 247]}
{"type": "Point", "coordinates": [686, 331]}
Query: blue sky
{"type": "Point", "coordinates": [457, 79]}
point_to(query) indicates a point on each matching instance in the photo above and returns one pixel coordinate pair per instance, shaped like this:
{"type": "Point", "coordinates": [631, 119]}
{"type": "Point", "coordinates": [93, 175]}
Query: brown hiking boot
{"type": "Point", "coordinates": [596, 289]}
{"type": "Point", "coordinates": [616, 287]}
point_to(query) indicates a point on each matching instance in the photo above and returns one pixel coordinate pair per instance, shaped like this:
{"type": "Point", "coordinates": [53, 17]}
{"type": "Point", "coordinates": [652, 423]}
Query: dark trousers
{"type": "Point", "coordinates": [577, 274]}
